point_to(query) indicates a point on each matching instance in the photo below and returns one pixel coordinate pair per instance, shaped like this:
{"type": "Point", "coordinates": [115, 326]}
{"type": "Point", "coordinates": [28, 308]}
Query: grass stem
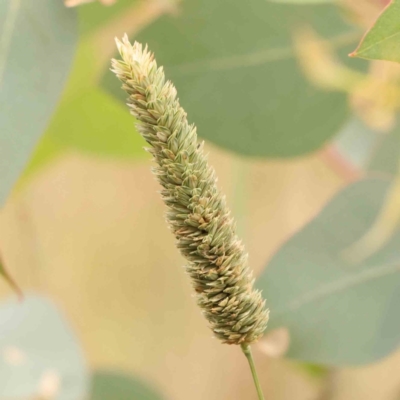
{"type": "Point", "coordinates": [247, 352]}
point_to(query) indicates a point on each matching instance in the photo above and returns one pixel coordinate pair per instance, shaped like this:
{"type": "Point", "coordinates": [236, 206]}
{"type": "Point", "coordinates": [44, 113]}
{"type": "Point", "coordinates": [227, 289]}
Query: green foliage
{"type": "Point", "coordinates": [87, 119]}
{"type": "Point", "coordinates": [37, 344]}
{"type": "Point", "coordinates": [237, 73]}
{"type": "Point", "coordinates": [107, 385]}
{"type": "Point", "coordinates": [386, 156]}
{"type": "Point", "coordinates": [369, 150]}
{"type": "Point", "coordinates": [92, 16]}
{"type": "Point", "coordinates": [382, 41]}
{"type": "Point", "coordinates": [242, 87]}
{"type": "Point", "coordinates": [337, 313]}
{"type": "Point", "coordinates": [38, 39]}
{"type": "Point", "coordinates": [96, 123]}
{"type": "Point", "coordinates": [314, 370]}
{"type": "Point", "coordinates": [356, 142]}
{"type": "Point", "coordinates": [46, 151]}
{"type": "Point", "coordinates": [301, 1]}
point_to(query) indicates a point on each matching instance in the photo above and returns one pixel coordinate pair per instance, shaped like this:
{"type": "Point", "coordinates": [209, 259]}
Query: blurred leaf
{"type": "Point", "coordinates": [39, 353]}
{"type": "Point", "coordinates": [87, 119]}
{"type": "Point", "coordinates": [356, 142]}
{"type": "Point", "coordinates": [386, 156]}
{"type": "Point", "coordinates": [46, 151]}
{"type": "Point", "coordinates": [301, 1]}
{"type": "Point", "coordinates": [336, 313]}
{"type": "Point", "coordinates": [385, 224]}
{"type": "Point", "coordinates": [80, 80]}
{"type": "Point", "coordinates": [94, 15]}
{"type": "Point", "coordinates": [382, 41]}
{"type": "Point", "coordinates": [315, 370]}
{"type": "Point", "coordinates": [84, 71]}
{"type": "Point", "coordinates": [114, 386]}
{"type": "Point", "coordinates": [95, 122]}
{"type": "Point", "coordinates": [368, 149]}
{"type": "Point", "coordinates": [37, 43]}
{"type": "Point", "coordinates": [385, 159]}
{"type": "Point", "coordinates": [242, 87]}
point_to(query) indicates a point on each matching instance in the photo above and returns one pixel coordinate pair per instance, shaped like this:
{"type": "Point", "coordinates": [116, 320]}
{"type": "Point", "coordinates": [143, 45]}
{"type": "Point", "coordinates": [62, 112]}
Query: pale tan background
{"type": "Point", "coordinates": [91, 234]}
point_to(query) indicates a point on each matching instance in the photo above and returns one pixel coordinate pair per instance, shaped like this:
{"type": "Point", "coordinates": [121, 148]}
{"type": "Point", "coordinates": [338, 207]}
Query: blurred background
{"type": "Point", "coordinates": [289, 122]}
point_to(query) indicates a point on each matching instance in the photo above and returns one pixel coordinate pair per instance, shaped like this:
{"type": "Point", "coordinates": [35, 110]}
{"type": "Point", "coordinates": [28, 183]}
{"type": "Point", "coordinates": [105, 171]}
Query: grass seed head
{"type": "Point", "coordinates": [197, 212]}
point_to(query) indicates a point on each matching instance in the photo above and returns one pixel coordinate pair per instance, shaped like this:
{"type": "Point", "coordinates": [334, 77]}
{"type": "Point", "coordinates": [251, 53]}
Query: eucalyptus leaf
{"type": "Point", "coordinates": [237, 76]}
{"type": "Point", "coordinates": [87, 120]}
{"type": "Point", "coordinates": [301, 1]}
{"type": "Point", "coordinates": [356, 142]}
{"type": "Point", "coordinates": [386, 156]}
{"type": "Point", "coordinates": [109, 385]}
{"type": "Point", "coordinates": [94, 122]}
{"type": "Point", "coordinates": [94, 15]}
{"type": "Point", "coordinates": [337, 313]}
{"type": "Point", "coordinates": [46, 151]}
{"type": "Point", "coordinates": [37, 43]}
{"type": "Point", "coordinates": [40, 353]}
{"type": "Point", "coordinates": [382, 41]}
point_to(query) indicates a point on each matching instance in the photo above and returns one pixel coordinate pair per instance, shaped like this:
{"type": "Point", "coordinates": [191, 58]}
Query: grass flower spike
{"type": "Point", "coordinates": [197, 212]}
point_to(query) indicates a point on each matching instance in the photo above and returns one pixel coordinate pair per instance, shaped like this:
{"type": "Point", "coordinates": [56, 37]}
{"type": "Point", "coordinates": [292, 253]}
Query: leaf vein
{"type": "Point", "coordinates": [378, 42]}
{"type": "Point", "coordinates": [339, 286]}
{"type": "Point", "coordinates": [7, 33]}
{"type": "Point", "coordinates": [253, 59]}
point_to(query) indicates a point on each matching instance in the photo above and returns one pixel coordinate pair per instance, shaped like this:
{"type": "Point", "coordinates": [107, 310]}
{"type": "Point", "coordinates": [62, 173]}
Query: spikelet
{"type": "Point", "coordinates": [197, 213]}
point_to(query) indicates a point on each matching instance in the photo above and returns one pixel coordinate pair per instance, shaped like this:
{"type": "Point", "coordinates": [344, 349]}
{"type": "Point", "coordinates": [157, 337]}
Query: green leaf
{"type": "Point", "coordinates": [337, 313]}
{"type": "Point", "coordinates": [242, 87]}
{"type": "Point", "coordinates": [87, 120]}
{"type": "Point", "coordinates": [301, 1]}
{"type": "Point", "coordinates": [382, 41]}
{"type": "Point", "coordinates": [386, 156]}
{"type": "Point", "coordinates": [37, 345]}
{"type": "Point", "coordinates": [46, 151]}
{"type": "Point", "coordinates": [37, 42]}
{"type": "Point", "coordinates": [356, 142]}
{"type": "Point", "coordinates": [368, 149]}
{"type": "Point", "coordinates": [94, 122]}
{"type": "Point", "coordinates": [94, 15]}
{"type": "Point", "coordinates": [314, 370]}
{"type": "Point", "coordinates": [107, 385]}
